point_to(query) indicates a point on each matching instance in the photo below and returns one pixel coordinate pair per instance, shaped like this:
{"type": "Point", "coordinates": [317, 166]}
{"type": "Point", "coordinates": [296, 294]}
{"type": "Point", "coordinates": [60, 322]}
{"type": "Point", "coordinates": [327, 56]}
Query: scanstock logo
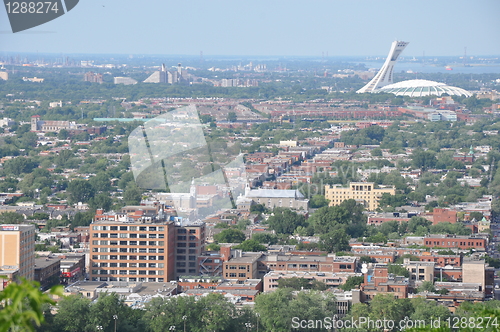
{"type": "Point", "coordinates": [25, 15]}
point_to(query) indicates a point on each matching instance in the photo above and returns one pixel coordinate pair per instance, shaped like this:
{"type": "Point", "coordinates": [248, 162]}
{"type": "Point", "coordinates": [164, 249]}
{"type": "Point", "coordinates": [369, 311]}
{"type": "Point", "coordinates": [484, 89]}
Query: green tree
{"type": "Point", "coordinates": [335, 240]}
{"type": "Point", "coordinates": [285, 221]}
{"type": "Point", "coordinates": [22, 305]}
{"type": "Point", "coordinates": [318, 201]}
{"type": "Point", "coordinates": [80, 191]}
{"type": "Point", "coordinates": [18, 165]}
{"type": "Point", "coordinates": [132, 195]}
{"type": "Point", "coordinates": [352, 282]}
{"type": "Point", "coordinates": [251, 245]}
{"type": "Point", "coordinates": [232, 117]}
{"type": "Point", "coordinates": [398, 270]}
{"type": "Point", "coordinates": [101, 201]}
{"type": "Point", "coordinates": [73, 314]}
{"type": "Point", "coordinates": [277, 309]}
{"type": "Point", "coordinates": [230, 235]}
{"type": "Point", "coordinates": [213, 247]}
{"type": "Point", "coordinates": [423, 159]}
{"type": "Point", "coordinates": [63, 134]}
{"type": "Point", "coordinates": [265, 238]}
{"type": "Point", "coordinates": [11, 218]}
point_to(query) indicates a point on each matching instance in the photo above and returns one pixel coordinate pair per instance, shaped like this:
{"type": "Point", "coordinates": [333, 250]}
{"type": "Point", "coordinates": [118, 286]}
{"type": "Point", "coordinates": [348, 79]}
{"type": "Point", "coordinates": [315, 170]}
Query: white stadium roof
{"type": "Point", "coordinates": [421, 88]}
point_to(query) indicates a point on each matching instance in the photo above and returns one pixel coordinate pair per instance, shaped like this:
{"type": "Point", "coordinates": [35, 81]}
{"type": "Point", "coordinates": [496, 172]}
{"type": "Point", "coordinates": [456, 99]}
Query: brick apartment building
{"type": "Point", "coordinates": [141, 244]}
{"type": "Point", "coordinates": [455, 241]}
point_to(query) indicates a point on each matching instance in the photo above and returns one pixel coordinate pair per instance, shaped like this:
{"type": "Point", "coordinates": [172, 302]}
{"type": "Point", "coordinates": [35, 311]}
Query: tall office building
{"type": "Point", "coordinates": [384, 76]}
{"type": "Point", "coordinates": [17, 250]}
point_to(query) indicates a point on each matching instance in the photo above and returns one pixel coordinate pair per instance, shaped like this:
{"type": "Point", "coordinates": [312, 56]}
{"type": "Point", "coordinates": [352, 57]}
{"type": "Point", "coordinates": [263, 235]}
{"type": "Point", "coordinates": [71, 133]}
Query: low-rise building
{"type": "Point", "coordinates": [47, 271]}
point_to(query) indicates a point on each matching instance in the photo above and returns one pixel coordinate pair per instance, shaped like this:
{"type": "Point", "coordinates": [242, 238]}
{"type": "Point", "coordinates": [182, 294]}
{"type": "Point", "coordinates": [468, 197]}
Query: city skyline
{"type": "Point", "coordinates": [278, 28]}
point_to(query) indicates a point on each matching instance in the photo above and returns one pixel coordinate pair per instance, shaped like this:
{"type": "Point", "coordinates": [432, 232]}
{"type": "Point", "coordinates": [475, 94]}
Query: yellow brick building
{"type": "Point", "coordinates": [362, 192]}
{"type": "Point", "coordinates": [17, 249]}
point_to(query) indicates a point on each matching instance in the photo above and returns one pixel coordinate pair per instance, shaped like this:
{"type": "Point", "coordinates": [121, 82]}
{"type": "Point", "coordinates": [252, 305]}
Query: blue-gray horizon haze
{"type": "Point", "coordinates": [277, 27]}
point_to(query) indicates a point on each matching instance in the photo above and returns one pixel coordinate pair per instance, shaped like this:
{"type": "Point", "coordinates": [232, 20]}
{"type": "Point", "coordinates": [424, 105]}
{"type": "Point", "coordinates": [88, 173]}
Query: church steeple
{"type": "Point", "coordinates": [471, 150]}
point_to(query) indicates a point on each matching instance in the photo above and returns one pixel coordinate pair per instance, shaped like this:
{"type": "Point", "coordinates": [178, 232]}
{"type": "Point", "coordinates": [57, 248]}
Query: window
{"type": "Point", "coordinates": [142, 264]}
{"type": "Point", "coordinates": [123, 228]}
{"type": "Point", "coordinates": [142, 243]}
{"type": "Point", "coordinates": [123, 257]}
{"type": "Point", "coordinates": [142, 258]}
{"type": "Point", "coordinates": [242, 275]}
{"type": "Point", "coordinates": [192, 231]}
{"type": "Point", "coordinates": [142, 228]}
{"type": "Point", "coordinates": [181, 258]}
{"type": "Point", "coordinates": [181, 238]}
{"type": "Point", "coordinates": [192, 245]}
{"type": "Point", "coordinates": [181, 251]}
{"type": "Point", "coordinates": [152, 264]}
{"type": "Point", "coordinates": [133, 236]}
{"type": "Point", "coordinates": [232, 275]}
{"type": "Point", "coordinates": [192, 258]}
{"type": "Point", "coordinates": [161, 229]}
{"type": "Point", "coordinates": [152, 229]}
{"type": "Point", "coordinates": [181, 231]}
{"type": "Point", "coordinates": [152, 236]}
{"type": "Point", "coordinates": [123, 235]}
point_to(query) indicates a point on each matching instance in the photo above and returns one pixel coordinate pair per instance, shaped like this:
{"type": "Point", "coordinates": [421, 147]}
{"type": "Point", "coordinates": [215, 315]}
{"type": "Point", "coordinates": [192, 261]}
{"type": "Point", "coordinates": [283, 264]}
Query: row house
{"type": "Point", "coordinates": [455, 241]}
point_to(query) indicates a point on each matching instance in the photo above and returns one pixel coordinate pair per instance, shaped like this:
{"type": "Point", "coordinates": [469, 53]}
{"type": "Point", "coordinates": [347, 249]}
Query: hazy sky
{"type": "Point", "coordinates": [270, 27]}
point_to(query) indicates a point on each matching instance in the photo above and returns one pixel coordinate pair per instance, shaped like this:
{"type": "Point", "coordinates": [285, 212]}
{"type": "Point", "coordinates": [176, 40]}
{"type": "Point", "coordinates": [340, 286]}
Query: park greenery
{"type": "Point", "coordinates": [26, 308]}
